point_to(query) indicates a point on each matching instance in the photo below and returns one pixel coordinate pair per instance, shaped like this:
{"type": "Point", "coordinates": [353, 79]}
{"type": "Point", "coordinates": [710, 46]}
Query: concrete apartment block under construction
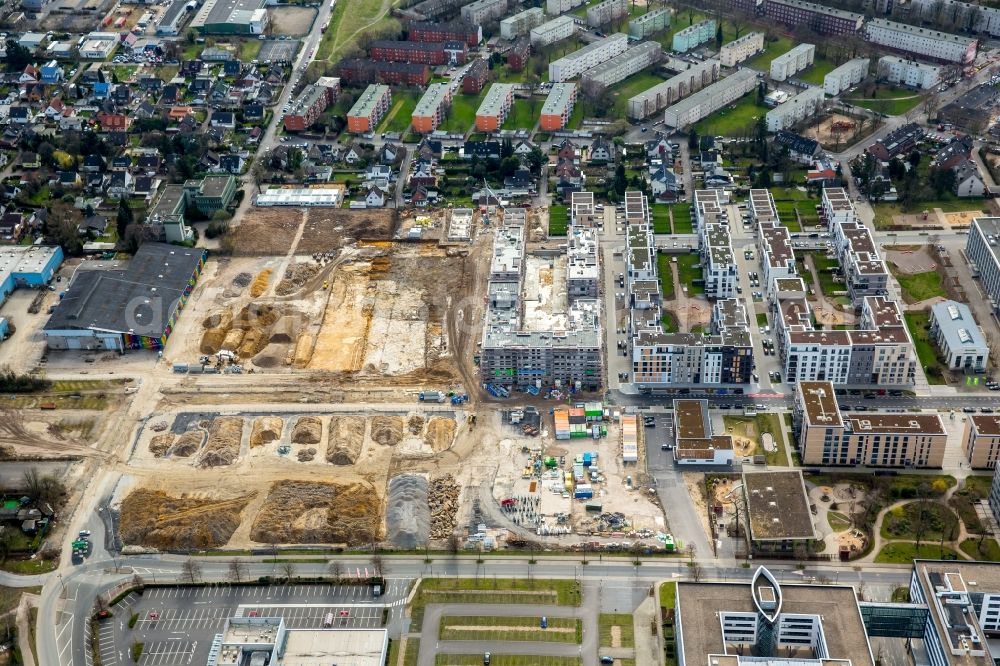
{"type": "Point", "coordinates": [531, 340]}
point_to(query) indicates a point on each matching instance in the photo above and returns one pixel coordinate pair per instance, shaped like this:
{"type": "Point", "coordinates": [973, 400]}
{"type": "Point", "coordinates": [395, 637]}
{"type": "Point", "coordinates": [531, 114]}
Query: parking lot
{"type": "Point", "coordinates": [177, 625]}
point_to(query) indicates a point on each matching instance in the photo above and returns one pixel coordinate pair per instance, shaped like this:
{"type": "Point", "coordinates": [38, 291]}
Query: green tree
{"type": "Point", "coordinates": [718, 37]}
{"type": "Point", "coordinates": [619, 182]}
{"type": "Point", "coordinates": [536, 158]}
{"type": "Point", "coordinates": [125, 217]}
{"type": "Point", "coordinates": [18, 56]}
{"type": "Point", "coordinates": [506, 148]}
{"type": "Point", "coordinates": [942, 180]}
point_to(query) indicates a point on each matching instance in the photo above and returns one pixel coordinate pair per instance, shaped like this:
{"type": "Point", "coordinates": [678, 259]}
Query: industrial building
{"type": "Point", "coordinates": [821, 19]}
{"type": "Point", "coordinates": [675, 88]}
{"type": "Point", "coordinates": [134, 307]}
{"type": "Point", "coordinates": [558, 107]}
{"type": "Point", "coordinates": [173, 19]}
{"type": "Point", "coordinates": [471, 34]}
{"type": "Point", "coordinates": [924, 42]}
{"type": "Point", "coordinates": [848, 75]}
{"type": "Point", "coordinates": [984, 260]}
{"type": "Point", "coordinates": [804, 105]}
{"type": "Point", "coordinates": [632, 61]}
{"type": "Point", "coordinates": [920, 75]}
{"type": "Point", "coordinates": [606, 11]}
{"type": "Point", "coordinates": [369, 109]}
{"type": "Point", "coordinates": [27, 266]}
{"type": "Point", "coordinates": [479, 12]}
{"type": "Point", "coordinates": [356, 71]}
{"type": "Point", "coordinates": [328, 195]}
{"type": "Point", "coordinates": [495, 106]}
{"type": "Point", "coordinates": [99, 45]}
{"type": "Point", "coordinates": [231, 17]}
{"type": "Point", "coordinates": [432, 108]}
{"type": "Point", "coordinates": [694, 442]}
{"type": "Point", "coordinates": [649, 24]}
{"type": "Point", "coordinates": [588, 57]}
{"type": "Point", "coordinates": [741, 49]}
{"type": "Point", "coordinates": [958, 337]}
{"type": "Point", "coordinates": [550, 32]}
{"type": "Point", "coordinates": [254, 640]}
{"type": "Point", "coordinates": [707, 101]}
{"type": "Point", "coordinates": [554, 7]}
{"type": "Point", "coordinates": [791, 63]}
{"type": "Point", "coordinates": [826, 436]}
{"type": "Point", "coordinates": [694, 36]}
{"type": "Point", "coordinates": [311, 103]}
{"type": "Point", "coordinates": [521, 23]}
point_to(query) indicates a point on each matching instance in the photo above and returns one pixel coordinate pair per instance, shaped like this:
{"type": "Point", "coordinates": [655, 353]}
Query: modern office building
{"type": "Point", "coordinates": [558, 107]}
{"type": "Point", "coordinates": [924, 42]}
{"type": "Point", "coordinates": [981, 441]}
{"type": "Point", "coordinates": [650, 23]}
{"type": "Point", "coordinates": [709, 100]}
{"type": "Point", "coordinates": [850, 74]}
{"type": "Point", "coordinates": [672, 90]}
{"type": "Point", "coordinates": [589, 56]}
{"type": "Point", "coordinates": [920, 75]}
{"type": "Point", "coordinates": [741, 49]}
{"type": "Point", "coordinates": [694, 36]}
{"type": "Point", "coordinates": [694, 442]}
{"type": "Point", "coordinates": [791, 63]}
{"type": "Point", "coordinates": [958, 337]}
{"type": "Point", "coordinates": [826, 436]}
{"type": "Point", "coordinates": [984, 260]}
{"type": "Point", "coordinates": [495, 106]}
{"type": "Point", "coordinates": [606, 11]}
{"type": "Point", "coordinates": [804, 105]}
{"type": "Point", "coordinates": [311, 103]}
{"type": "Point", "coordinates": [369, 109]}
{"type": "Point", "coordinates": [632, 61]}
{"type": "Point", "coordinates": [521, 23]}
{"type": "Point", "coordinates": [550, 32]}
{"type": "Point", "coordinates": [432, 108]}
{"type": "Point", "coordinates": [471, 34]}
{"type": "Point", "coordinates": [822, 20]}
{"type": "Point", "coordinates": [479, 12]}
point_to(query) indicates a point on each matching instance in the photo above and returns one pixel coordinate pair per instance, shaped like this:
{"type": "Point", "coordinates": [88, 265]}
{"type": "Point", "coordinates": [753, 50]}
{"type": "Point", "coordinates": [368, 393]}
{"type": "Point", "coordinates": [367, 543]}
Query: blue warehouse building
{"type": "Point", "coordinates": [27, 266]}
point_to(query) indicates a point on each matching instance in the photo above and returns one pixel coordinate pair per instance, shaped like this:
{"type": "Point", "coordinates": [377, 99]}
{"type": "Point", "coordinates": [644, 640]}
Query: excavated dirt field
{"type": "Point", "coordinates": [328, 229]}
{"type": "Point", "coordinates": [224, 440]}
{"type": "Point", "coordinates": [157, 520]}
{"type": "Point", "coordinates": [346, 437]}
{"type": "Point", "coordinates": [160, 444]}
{"type": "Point", "coordinates": [307, 512]}
{"type": "Point", "coordinates": [265, 232]}
{"type": "Point", "coordinates": [187, 444]}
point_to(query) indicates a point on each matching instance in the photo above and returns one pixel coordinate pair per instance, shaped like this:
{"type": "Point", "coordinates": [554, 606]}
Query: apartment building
{"type": "Point", "coordinates": [804, 105]}
{"type": "Point", "coordinates": [475, 77]}
{"type": "Point", "coordinates": [741, 49]}
{"type": "Point", "coordinates": [971, 17]}
{"type": "Point", "coordinates": [924, 42]}
{"type": "Point", "coordinates": [588, 57]}
{"type": "Point", "coordinates": [865, 272]}
{"type": "Point", "coordinates": [694, 441]}
{"type": "Point", "coordinates": [675, 88]}
{"type": "Point", "coordinates": [582, 212]}
{"type": "Point", "coordinates": [432, 108]}
{"type": "Point", "coordinates": [558, 107]}
{"type": "Point", "coordinates": [709, 207]}
{"type": "Point", "coordinates": [311, 103]}
{"type": "Point", "coordinates": [550, 32]}
{"type": "Point", "coordinates": [777, 258]}
{"type": "Point", "coordinates": [995, 496]}
{"type": "Point", "coordinates": [899, 141]}
{"type": "Point", "coordinates": [471, 34]}
{"type": "Point", "coordinates": [554, 7]}
{"type": "Point", "coordinates": [694, 36]}
{"type": "Point", "coordinates": [649, 24]}
{"type": "Point", "coordinates": [517, 56]}
{"type": "Point", "coordinates": [606, 11]}
{"type": "Point", "coordinates": [428, 53]}
{"type": "Point", "coordinates": [369, 109]}
{"type": "Point", "coordinates": [958, 336]}
{"type": "Point", "coordinates": [827, 437]}
{"type": "Point", "coordinates": [583, 277]}
{"type": "Point", "coordinates": [521, 23]}
{"type": "Point", "coordinates": [495, 106]}
{"type": "Point", "coordinates": [982, 252]}
{"type": "Point", "coordinates": [823, 20]}
{"type": "Point", "coordinates": [981, 441]}
{"type": "Point", "coordinates": [632, 61]}
{"type": "Point", "coordinates": [709, 100]}
{"type": "Point", "coordinates": [836, 207]}
{"type": "Point", "coordinates": [355, 71]}
{"type": "Point", "coordinates": [921, 75]}
{"type": "Point", "coordinates": [718, 266]}
{"type": "Point", "coordinates": [791, 63]}
{"type": "Point", "coordinates": [483, 11]}
{"type": "Point", "coordinates": [850, 74]}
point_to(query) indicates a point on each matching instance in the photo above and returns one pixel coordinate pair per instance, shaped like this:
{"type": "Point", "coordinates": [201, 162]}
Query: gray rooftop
{"type": "Point", "coordinates": [641, 50]}
{"type": "Point", "coordinates": [432, 99]}
{"type": "Point", "coordinates": [366, 102]}
{"type": "Point", "coordinates": [558, 99]}
{"type": "Point", "coordinates": [226, 11]}
{"type": "Point", "coordinates": [920, 32]}
{"type": "Point", "coordinates": [709, 92]}
{"type": "Point", "coordinates": [495, 99]}
{"type": "Point", "coordinates": [957, 325]}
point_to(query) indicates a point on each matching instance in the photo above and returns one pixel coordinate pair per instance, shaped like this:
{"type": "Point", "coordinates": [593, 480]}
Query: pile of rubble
{"type": "Point", "coordinates": [612, 522]}
{"type": "Point", "coordinates": [443, 501]}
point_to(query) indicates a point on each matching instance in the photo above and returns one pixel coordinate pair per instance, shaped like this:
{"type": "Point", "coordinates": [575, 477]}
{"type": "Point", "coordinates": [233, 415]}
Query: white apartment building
{"type": "Point", "coordinates": [550, 32]}
{"type": "Point", "coordinates": [588, 57]}
{"type": "Point", "coordinates": [693, 36]}
{"type": "Point", "coordinates": [605, 12]}
{"type": "Point", "coordinates": [521, 23]}
{"type": "Point", "coordinates": [717, 261]}
{"type": "Point", "coordinates": [554, 7]}
{"type": "Point", "coordinates": [709, 100]}
{"type": "Point", "coordinates": [624, 65]}
{"type": "Point", "coordinates": [675, 88]}
{"type": "Point", "coordinates": [804, 105]}
{"type": "Point", "coordinates": [791, 63]}
{"type": "Point", "coordinates": [925, 42]}
{"type": "Point", "coordinates": [922, 75]}
{"type": "Point", "coordinates": [851, 73]}
{"type": "Point", "coordinates": [482, 11]}
{"type": "Point", "coordinates": [837, 207]}
{"type": "Point", "coordinates": [741, 49]}
{"type": "Point", "coordinates": [968, 15]}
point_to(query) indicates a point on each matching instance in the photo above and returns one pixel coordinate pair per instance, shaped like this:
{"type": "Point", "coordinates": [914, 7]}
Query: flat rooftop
{"type": "Point", "coordinates": [895, 424]}
{"type": "Point", "coordinates": [495, 99]}
{"type": "Point", "coordinates": [559, 100]}
{"type": "Point", "coordinates": [366, 103]}
{"type": "Point", "coordinates": [343, 647]}
{"type": "Point", "coordinates": [225, 11]}
{"type": "Point", "coordinates": [691, 420]}
{"type": "Point", "coordinates": [436, 95]}
{"type": "Point", "coordinates": [708, 93]}
{"type": "Point", "coordinates": [777, 506]}
{"type": "Point", "coordinates": [936, 35]}
{"type": "Point", "coordinates": [641, 50]}
{"type": "Point", "coordinates": [819, 402]}
{"type": "Point", "coordinates": [838, 199]}
{"type": "Point", "coordinates": [595, 46]}
{"type": "Point", "coordinates": [986, 424]}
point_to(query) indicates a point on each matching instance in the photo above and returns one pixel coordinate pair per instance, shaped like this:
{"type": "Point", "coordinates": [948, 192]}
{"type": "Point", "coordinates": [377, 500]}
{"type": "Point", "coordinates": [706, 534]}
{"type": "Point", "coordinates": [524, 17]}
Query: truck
{"type": "Point", "coordinates": [431, 396]}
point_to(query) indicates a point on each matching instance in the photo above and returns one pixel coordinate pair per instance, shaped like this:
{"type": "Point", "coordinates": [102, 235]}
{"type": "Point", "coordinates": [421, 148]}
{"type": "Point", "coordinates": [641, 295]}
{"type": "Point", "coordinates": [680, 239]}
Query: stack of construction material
{"type": "Point", "coordinates": [630, 438]}
{"type": "Point", "coordinates": [594, 411]}
{"type": "Point", "coordinates": [578, 426]}
{"type": "Point", "coordinates": [561, 415]}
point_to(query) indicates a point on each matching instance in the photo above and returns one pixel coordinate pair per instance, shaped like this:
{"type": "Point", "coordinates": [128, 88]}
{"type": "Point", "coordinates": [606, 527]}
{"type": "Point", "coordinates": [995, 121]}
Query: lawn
{"type": "Point", "coordinates": [492, 590]}
{"type": "Point", "coordinates": [628, 88]}
{"type": "Point", "coordinates": [733, 120]}
{"type": "Point", "coordinates": [884, 211]}
{"type": "Point", "coordinates": [666, 277]}
{"type": "Point", "coordinates": [412, 650]}
{"type": "Point", "coordinates": [558, 220]}
{"type": "Point", "coordinates": [523, 115]}
{"type": "Point", "coordinates": [752, 427]}
{"type": "Point", "coordinates": [28, 567]}
{"type": "Point", "coordinates": [661, 218]}
{"type": "Point", "coordinates": [249, 48]}
{"type": "Point", "coordinates": [918, 323]}
{"type": "Point", "coordinates": [762, 319]}
{"type": "Point", "coordinates": [903, 522]}
{"type": "Point", "coordinates": [838, 521]}
{"type": "Point", "coordinates": [399, 116]}
{"type": "Point", "coordinates": [668, 320]}
{"type": "Point", "coordinates": [772, 50]}
{"type": "Point", "coordinates": [681, 214]}
{"type": "Point", "coordinates": [919, 286]}
{"type": "Point", "coordinates": [344, 26]}
{"type": "Point", "coordinates": [904, 553]}
{"type": "Point", "coordinates": [668, 594]}
{"type": "Point", "coordinates": [974, 488]}
{"type": "Point", "coordinates": [625, 625]}
{"type": "Point", "coordinates": [689, 271]}
{"type": "Point", "coordinates": [504, 660]}
{"type": "Point", "coordinates": [817, 72]}
{"type": "Point", "coordinates": [463, 112]}
{"type": "Point", "coordinates": [575, 118]}
{"type": "Point", "coordinates": [888, 100]}
{"type": "Point", "coordinates": [989, 550]}
{"type": "Point", "coordinates": [487, 628]}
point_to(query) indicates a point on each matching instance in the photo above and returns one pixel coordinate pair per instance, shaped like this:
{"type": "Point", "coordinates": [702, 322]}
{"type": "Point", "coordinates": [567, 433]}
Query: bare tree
{"type": "Point", "coordinates": [336, 570]}
{"type": "Point", "coordinates": [377, 562]}
{"type": "Point", "coordinates": [288, 570]}
{"type": "Point", "coordinates": [453, 544]}
{"type": "Point", "coordinates": [191, 570]}
{"type": "Point", "coordinates": [697, 572]}
{"type": "Point", "coordinates": [237, 570]}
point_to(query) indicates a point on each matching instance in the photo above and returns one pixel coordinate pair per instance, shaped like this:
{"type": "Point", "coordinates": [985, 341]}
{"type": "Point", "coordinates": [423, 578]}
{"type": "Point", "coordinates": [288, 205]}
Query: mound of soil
{"type": "Point", "coordinates": [266, 429]}
{"type": "Point", "coordinates": [346, 437]}
{"type": "Point", "coordinates": [308, 512]}
{"type": "Point", "coordinates": [307, 430]}
{"type": "Point", "coordinates": [187, 444]}
{"type": "Point", "coordinates": [440, 433]}
{"type": "Point", "coordinates": [224, 440]}
{"type": "Point", "coordinates": [155, 519]}
{"type": "Point", "coordinates": [415, 424]}
{"type": "Point", "coordinates": [387, 430]}
{"type": "Point", "coordinates": [160, 444]}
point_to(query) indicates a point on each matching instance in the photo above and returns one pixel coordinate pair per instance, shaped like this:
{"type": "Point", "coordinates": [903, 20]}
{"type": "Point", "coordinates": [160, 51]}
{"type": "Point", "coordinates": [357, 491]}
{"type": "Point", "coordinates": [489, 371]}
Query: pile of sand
{"type": "Point", "coordinates": [187, 444]}
{"type": "Point", "coordinates": [160, 444]}
{"type": "Point", "coordinates": [415, 424]}
{"type": "Point", "coordinates": [259, 285]}
{"type": "Point", "coordinates": [387, 430]}
{"type": "Point", "coordinates": [346, 437]}
{"type": "Point", "coordinates": [307, 430]}
{"type": "Point", "coordinates": [266, 429]}
{"type": "Point", "coordinates": [305, 455]}
{"type": "Point", "coordinates": [295, 276]}
{"type": "Point", "coordinates": [216, 328]}
{"type": "Point", "coordinates": [155, 519]}
{"type": "Point", "coordinates": [224, 441]}
{"type": "Point", "coordinates": [440, 433]}
{"type": "Point", "coordinates": [246, 333]}
{"type": "Point", "coordinates": [308, 512]}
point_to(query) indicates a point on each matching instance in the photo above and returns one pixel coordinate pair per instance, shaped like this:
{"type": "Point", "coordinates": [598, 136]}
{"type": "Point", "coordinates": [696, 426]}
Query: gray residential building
{"type": "Point", "coordinates": [959, 338]}
{"type": "Point", "coordinates": [981, 249]}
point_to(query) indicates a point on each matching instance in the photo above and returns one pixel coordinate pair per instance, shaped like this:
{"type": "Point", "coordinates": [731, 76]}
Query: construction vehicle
{"type": "Point", "coordinates": [459, 399]}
